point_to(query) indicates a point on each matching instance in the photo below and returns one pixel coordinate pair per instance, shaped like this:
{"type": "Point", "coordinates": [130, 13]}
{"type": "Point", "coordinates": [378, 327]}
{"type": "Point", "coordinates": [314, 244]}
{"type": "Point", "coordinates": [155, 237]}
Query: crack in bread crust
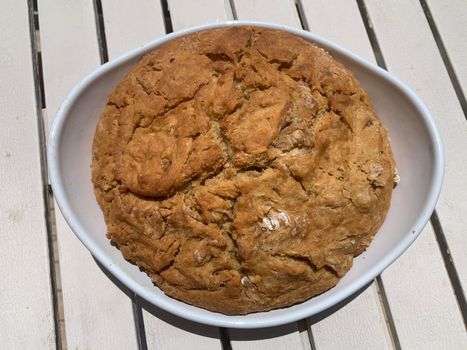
{"type": "Point", "coordinates": [242, 169]}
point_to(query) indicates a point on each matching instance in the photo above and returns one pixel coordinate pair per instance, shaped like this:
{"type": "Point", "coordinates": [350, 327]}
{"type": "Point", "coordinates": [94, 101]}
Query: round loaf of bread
{"type": "Point", "coordinates": [242, 169]}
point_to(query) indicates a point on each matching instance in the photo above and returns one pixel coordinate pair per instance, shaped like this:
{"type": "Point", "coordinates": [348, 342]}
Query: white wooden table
{"type": "Point", "coordinates": [52, 292]}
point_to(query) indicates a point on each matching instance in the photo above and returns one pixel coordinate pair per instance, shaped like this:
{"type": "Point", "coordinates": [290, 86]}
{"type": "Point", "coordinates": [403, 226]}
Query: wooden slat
{"type": "Point", "coordinates": [27, 318]}
{"type": "Point", "coordinates": [284, 338]}
{"type": "Point", "coordinates": [185, 14]}
{"type": "Point", "coordinates": [359, 325]}
{"type": "Point", "coordinates": [451, 20]}
{"type": "Point", "coordinates": [165, 331]}
{"type": "Point", "coordinates": [129, 24]}
{"type": "Point", "coordinates": [276, 11]}
{"type": "Point", "coordinates": [416, 60]}
{"type": "Point", "coordinates": [425, 311]}
{"type": "Point", "coordinates": [68, 58]}
{"type": "Point", "coordinates": [146, 23]}
{"type": "Point", "coordinates": [341, 22]}
{"type": "Point", "coordinates": [98, 315]}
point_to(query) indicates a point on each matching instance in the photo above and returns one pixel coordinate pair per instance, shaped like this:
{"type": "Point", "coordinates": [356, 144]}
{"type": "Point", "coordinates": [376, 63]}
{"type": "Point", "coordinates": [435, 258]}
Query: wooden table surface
{"type": "Point", "coordinates": [54, 295]}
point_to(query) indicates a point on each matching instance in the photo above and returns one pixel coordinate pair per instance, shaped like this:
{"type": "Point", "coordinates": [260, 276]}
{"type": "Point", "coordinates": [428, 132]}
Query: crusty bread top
{"type": "Point", "coordinates": [242, 169]}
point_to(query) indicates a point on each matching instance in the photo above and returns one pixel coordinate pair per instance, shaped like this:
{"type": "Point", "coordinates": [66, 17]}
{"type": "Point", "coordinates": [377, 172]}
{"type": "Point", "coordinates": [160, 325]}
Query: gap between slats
{"type": "Point", "coordinates": [301, 15]}
{"type": "Point", "coordinates": [100, 28]}
{"type": "Point", "coordinates": [37, 55]}
{"type": "Point", "coordinates": [233, 9]}
{"type": "Point", "coordinates": [167, 20]}
{"type": "Point", "coordinates": [139, 326]}
{"type": "Point", "coordinates": [383, 299]}
{"type": "Point", "coordinates": [60, 340]}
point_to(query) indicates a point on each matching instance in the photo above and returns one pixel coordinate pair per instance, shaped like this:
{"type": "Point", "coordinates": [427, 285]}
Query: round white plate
{"type": "Point", "coordinates": [414, 139]}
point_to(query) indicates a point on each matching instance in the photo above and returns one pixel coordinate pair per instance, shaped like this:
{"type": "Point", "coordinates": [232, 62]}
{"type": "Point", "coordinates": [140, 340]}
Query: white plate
{"type": "Point", "coordinates": [414, 139]}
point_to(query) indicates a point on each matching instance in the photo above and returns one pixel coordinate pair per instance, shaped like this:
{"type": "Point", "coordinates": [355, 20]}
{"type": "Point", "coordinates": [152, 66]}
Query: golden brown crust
{"type": "Point", "coordinates": [242, 169]}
